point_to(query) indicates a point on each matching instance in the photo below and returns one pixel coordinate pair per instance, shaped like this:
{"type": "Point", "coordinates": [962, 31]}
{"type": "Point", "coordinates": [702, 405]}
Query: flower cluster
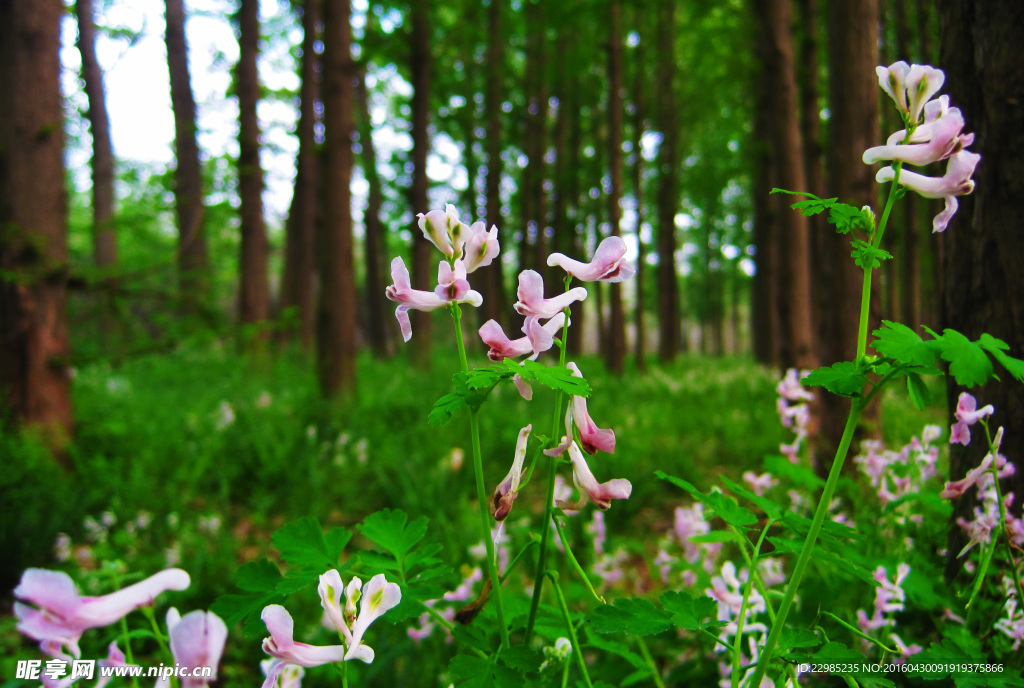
{"type": "Point", "coordinates": [363, 605]}
{"type": "Point", "coordinates": [793, 410]}
{"type": "Point", "coordinates": [939, 136]}
{"type": "Point", "coordinates": [465, 248]}
{"type": "Point", "coordinates": [895, 474]}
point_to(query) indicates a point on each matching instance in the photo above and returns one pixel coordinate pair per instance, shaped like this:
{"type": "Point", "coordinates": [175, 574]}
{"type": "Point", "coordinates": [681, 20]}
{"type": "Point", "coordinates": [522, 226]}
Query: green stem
{"type": "Point", "coordinates": [1003, 516]}
{"type": "Point", "coordinates": [481, 490]}
{"type": "Point", "coordinates": [572, 560]}
{"type": "Point", "coordinates": [876, 240]}
{"type": "Point", "coordinates": [129, 659]}
{"type": "Point", "coordinates": [646, 654]}
{"type": "Point", "coordinates": [534, 539]}
{"type": "Point", "coordinates": [577, 651]}
{"type": "Point", "coordinates": [856, 631]}
{"type": "Point", "coordinates": [812, 536]}
{"type": "Point", "coordinates": [549, 501]}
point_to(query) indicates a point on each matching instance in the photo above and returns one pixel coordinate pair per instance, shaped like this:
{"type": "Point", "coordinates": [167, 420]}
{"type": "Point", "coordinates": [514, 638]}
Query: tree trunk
{"type": "Point", "coordinates": [35, 379]}
{"type": "Point", "coordinates": [910, 251]}
{"type": "Point", "coordinates": [639, 79]}
{"type": "Point", "coordinates": [374, 240]}
{"type": "Point", "coordinates": [670, 336]}
{"type": "Point", "coordinates": [493, 281]}
{"type": "Point", "coordinates": [104, 230]}
{"type": "Point", "coordinates": [254, 291]}
{"type": "Point", "coordinates": [336, 308]}
{"type": "Point", "coordinates": [853, 101]}
{"type": "Point", "coordinates": [984, 286]}
{"type": "Point", "coordinates": [616, 353]}
{"type": "Point", "coordinates": [193, 256]}
{"type": "Point", "coordinates": [794, 297]}
{"type": "Point", "coordinates": [299, 281]}
{"type": "Point", "coordinates": [424, 265]}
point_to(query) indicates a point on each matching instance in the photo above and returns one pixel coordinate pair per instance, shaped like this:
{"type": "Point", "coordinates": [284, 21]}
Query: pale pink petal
{"type": "Point", "coordinates": [592, 437]}
{"type": "Point", "coordinates": [281, 644]}
{"type": "Point", "coordinates": [505, 494]}
{"type": "Point", "coordinates": [330, 590]}
{"type": "Point", "coordinates": [197, 640]}
{"type": "Point", "coordinates": [482, 247]}
{"type": "Point", "coordinates": [532, 301]}
{"type": "Point", "coordinates": [600, 494]}
{"type": "Point", "coordinates": [378, 596]}
{"type": "Point", "coordinates": [525, 390]}
{"type": "Point", "coordinates": [607, 265]}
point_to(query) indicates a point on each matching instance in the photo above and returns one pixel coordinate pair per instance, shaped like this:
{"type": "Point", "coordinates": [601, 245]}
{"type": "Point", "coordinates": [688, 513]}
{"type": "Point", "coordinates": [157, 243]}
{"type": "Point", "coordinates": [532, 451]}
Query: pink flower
{"type": "Point", "coordinates": [531, 297]}
{"type": "Point", "coordinates": [967, 414]}
{"type": "Point", "coordinates": [285, 651]}
{"type": "Point", "coordinates": [607, 266]}
{"type": "Point", "coordinates": [910, 87]}
{"type": "Point", "coordinates": [440, 227]}
{"type": "Point", "coordinates": [956, 182]}
{"type": "Point", "coordinates": [759, 483]}
{"type": "Point", "coordinates": [539, 338]}
{"type": "Point", "coordinates": [952, 490]}
{"type": "Point", "coordinates": [505, 493]}
{"type": "Point", "coordinates": [601, 494]}
{"type": "Point", "coordinates": [930, 142]}
{"type": "Point", "coordinates": [482, 246]}
{"type": "Point", "coordinates": [452, 288]}
{"type": "Point", "coordinates": [197, 640]}
{"type": "Point", "coordinates": [790, 389]}
{"type": "Point", "coordinates": [378, 596]}
{"type": "Point", "coordinates": [62, 615]}
{"type": "Point", "coordinates": [592, 437]}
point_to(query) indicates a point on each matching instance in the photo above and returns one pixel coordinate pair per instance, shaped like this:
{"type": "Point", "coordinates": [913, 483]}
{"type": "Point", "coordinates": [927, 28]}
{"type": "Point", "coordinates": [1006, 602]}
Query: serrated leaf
{"type": "Point", "coordinates": [812, 206]}
{"type": "Point", "coordinates": [793, 638]}
{"type": "Point", "coordinates": [796, 473]}
{"type": "Point", "coordinates": [618, 648]}
{"type": "Point", "coordinates": [714, 536]}
{"type": "Point", "coordinates": [841, 564]}
{"type": "Point", "coordinates": [389, 530]}
{"type": "Point", "coordinates": [690, 613]}
{"type": "Point", "coordinates": [521, 657]}
{"type": "Point", "coordinates": [724, 507]}
{"type": "Point", "coordinates": [867, 256]}
{"type": "Point", "coordinates": [235, 608]}
{"type": "Point", "coordinates": [968, 363]}
{"type": "Point", "coordinates": [556, 377]}
{"type": "Point", "coordinates": [997, 349]}
{"type": "Point", "coordinates": [844, 378]}
{"type": "Point", "coordinates": [847, 218]}
{"type": "Point", "coordinates": [633, 616]}
{"type": "Point", "coordinates": [304, 545]}
{"type": "Point", "coordinates": [257, 576]}
{"type": "Point", "coordinates": [444, 408]}
{"type": "Point", "coordinates": [680, 483]}
{"type": "Point", "coordinates": [902, 344]}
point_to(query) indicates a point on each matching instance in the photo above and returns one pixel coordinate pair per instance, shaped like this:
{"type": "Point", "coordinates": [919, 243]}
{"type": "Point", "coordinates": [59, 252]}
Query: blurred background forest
{"type": "Point", "coordinates": [199, 203]}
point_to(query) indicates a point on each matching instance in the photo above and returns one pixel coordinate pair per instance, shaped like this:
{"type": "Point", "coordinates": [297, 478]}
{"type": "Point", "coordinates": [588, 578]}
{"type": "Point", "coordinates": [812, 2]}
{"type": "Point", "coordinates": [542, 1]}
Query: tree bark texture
{"type": "Point", "coordinates": [493, 279]}
{"type": "Point", "coordinates": [254, 291]}
{"type": "Point", "coordinates": [775, 18]}
{"type": "Point", "coordinates": [35, 380]}
{"type": "Point", "coordinates": [299, 283]}
{"type": "Point", "coordinates": [336, 306]}
{"type": "Point", "coordinates": [639, 81]}
{"type": "Point", "coordinates": [981, 53]}
{"type": "Point", "coordinates": [193, 255]}
{"type": "Point", "coordinates": [424, 265]}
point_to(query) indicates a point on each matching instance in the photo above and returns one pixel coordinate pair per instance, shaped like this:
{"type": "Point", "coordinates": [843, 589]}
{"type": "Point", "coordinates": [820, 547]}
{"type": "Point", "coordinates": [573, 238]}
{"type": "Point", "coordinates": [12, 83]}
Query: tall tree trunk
{"type": "Point", "coordinates": [853, 101]}
{"type": "Point", "coordinates": [794, 304]}
{"type": "Point", "coordinates": [254, 291]}
{"type": "Point", "coordinates": [104, 230]}
{"type": "Point", "coordinates": [984, 287]}
{"type": "Point", "coordinates": [193, 256]}
{"type": "Point", "coordinates": [299, 280]}
{"type": "Point", "coordinates": [336, 307]}
{"type": "Point", "coordinates": [493, 280]}
{"type": "Point", "coordinates": [616, 353]}
{"type": "Point", "coordinates": [639, 81]}
{"type": "Point", "coordinates": [373, 241]}
{"type": "Point", "coordinates": [35, 379]}
{"type": "Point", "coordinates": [910, 251]}
{"type": "Point", "coordinates": [424, 267]}
{"type": "Point", "coordinates": [670, 336]}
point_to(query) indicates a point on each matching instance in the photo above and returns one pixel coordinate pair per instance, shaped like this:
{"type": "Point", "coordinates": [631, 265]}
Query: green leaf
{"type": "Point", "coordinates": [847, 218]}
{"type": "Point", "coordinates": [714, 536]}
{"type": "Point", "coordinates": [813, 206]}
{"type": "Point", "coordinates": [444, 408]}
{"type": "Point", "coordinates": [303, 544]}
{"type": "Point", "coordinates": [618, 648]}
{"type": "Point", "coordinates": [556, 377]}
{"type": "Point", "coordinates": [770, 508]}
{"type": "Point", "coordinates": [841, 565]}
{"type": "Point", "coordinates": [387, 529]}
{"type": "Point", "coordinates": [844, 378]}
{"type": "Point", "coordinates": [795, 473]}
{"type": "Point", "coordinates": [691, 613]}
{"type": "Point", "coordinates": [920, 395]}
{"type": "Point", "coordinates": [968, 363]}
{"type": "Point", "coordinates": [867, 256]}
{"type": "Point", "coordinates": [633, 616]}
{"type": "Point", "coordinates": [260, 579]}
{"type": "Point", "coordinates": [724, 507]}
{"type": "Point", "coordinates": [257, 576]}
{"type": "Point", "coordinates": [997, 348]}
{"type": "Point", "coordinates": [903, 345]}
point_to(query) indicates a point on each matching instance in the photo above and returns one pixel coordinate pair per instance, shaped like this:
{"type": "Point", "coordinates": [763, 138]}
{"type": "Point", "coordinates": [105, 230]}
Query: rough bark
{"type": "Point", "coordinates": [910, 245]}
{"type": "Point", "coordinates": [670, 337]}
{"type": "Point", "coordinates": [640, 335]}
{"type": "Point", "coordinates": [298, 288]}
{"type": "Point", "coordinates": [616, 350]}
{"type": "Point", "coordinates": [853, 101]}
{"type": "Point", "coordinates": [336, 306]}
{"type": "Point", "coordinates": [254, 290]}
{"type": "Point", "coordinates": [424, 265]}
{"type": "Point", "coordinates": [981, 53]}
{"type": "Point", "coordinates": [794, 297]}
{"type": "Point", "coordinates": [35, 380]}
{"type": "Point", "coordinates": [193, 256]}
